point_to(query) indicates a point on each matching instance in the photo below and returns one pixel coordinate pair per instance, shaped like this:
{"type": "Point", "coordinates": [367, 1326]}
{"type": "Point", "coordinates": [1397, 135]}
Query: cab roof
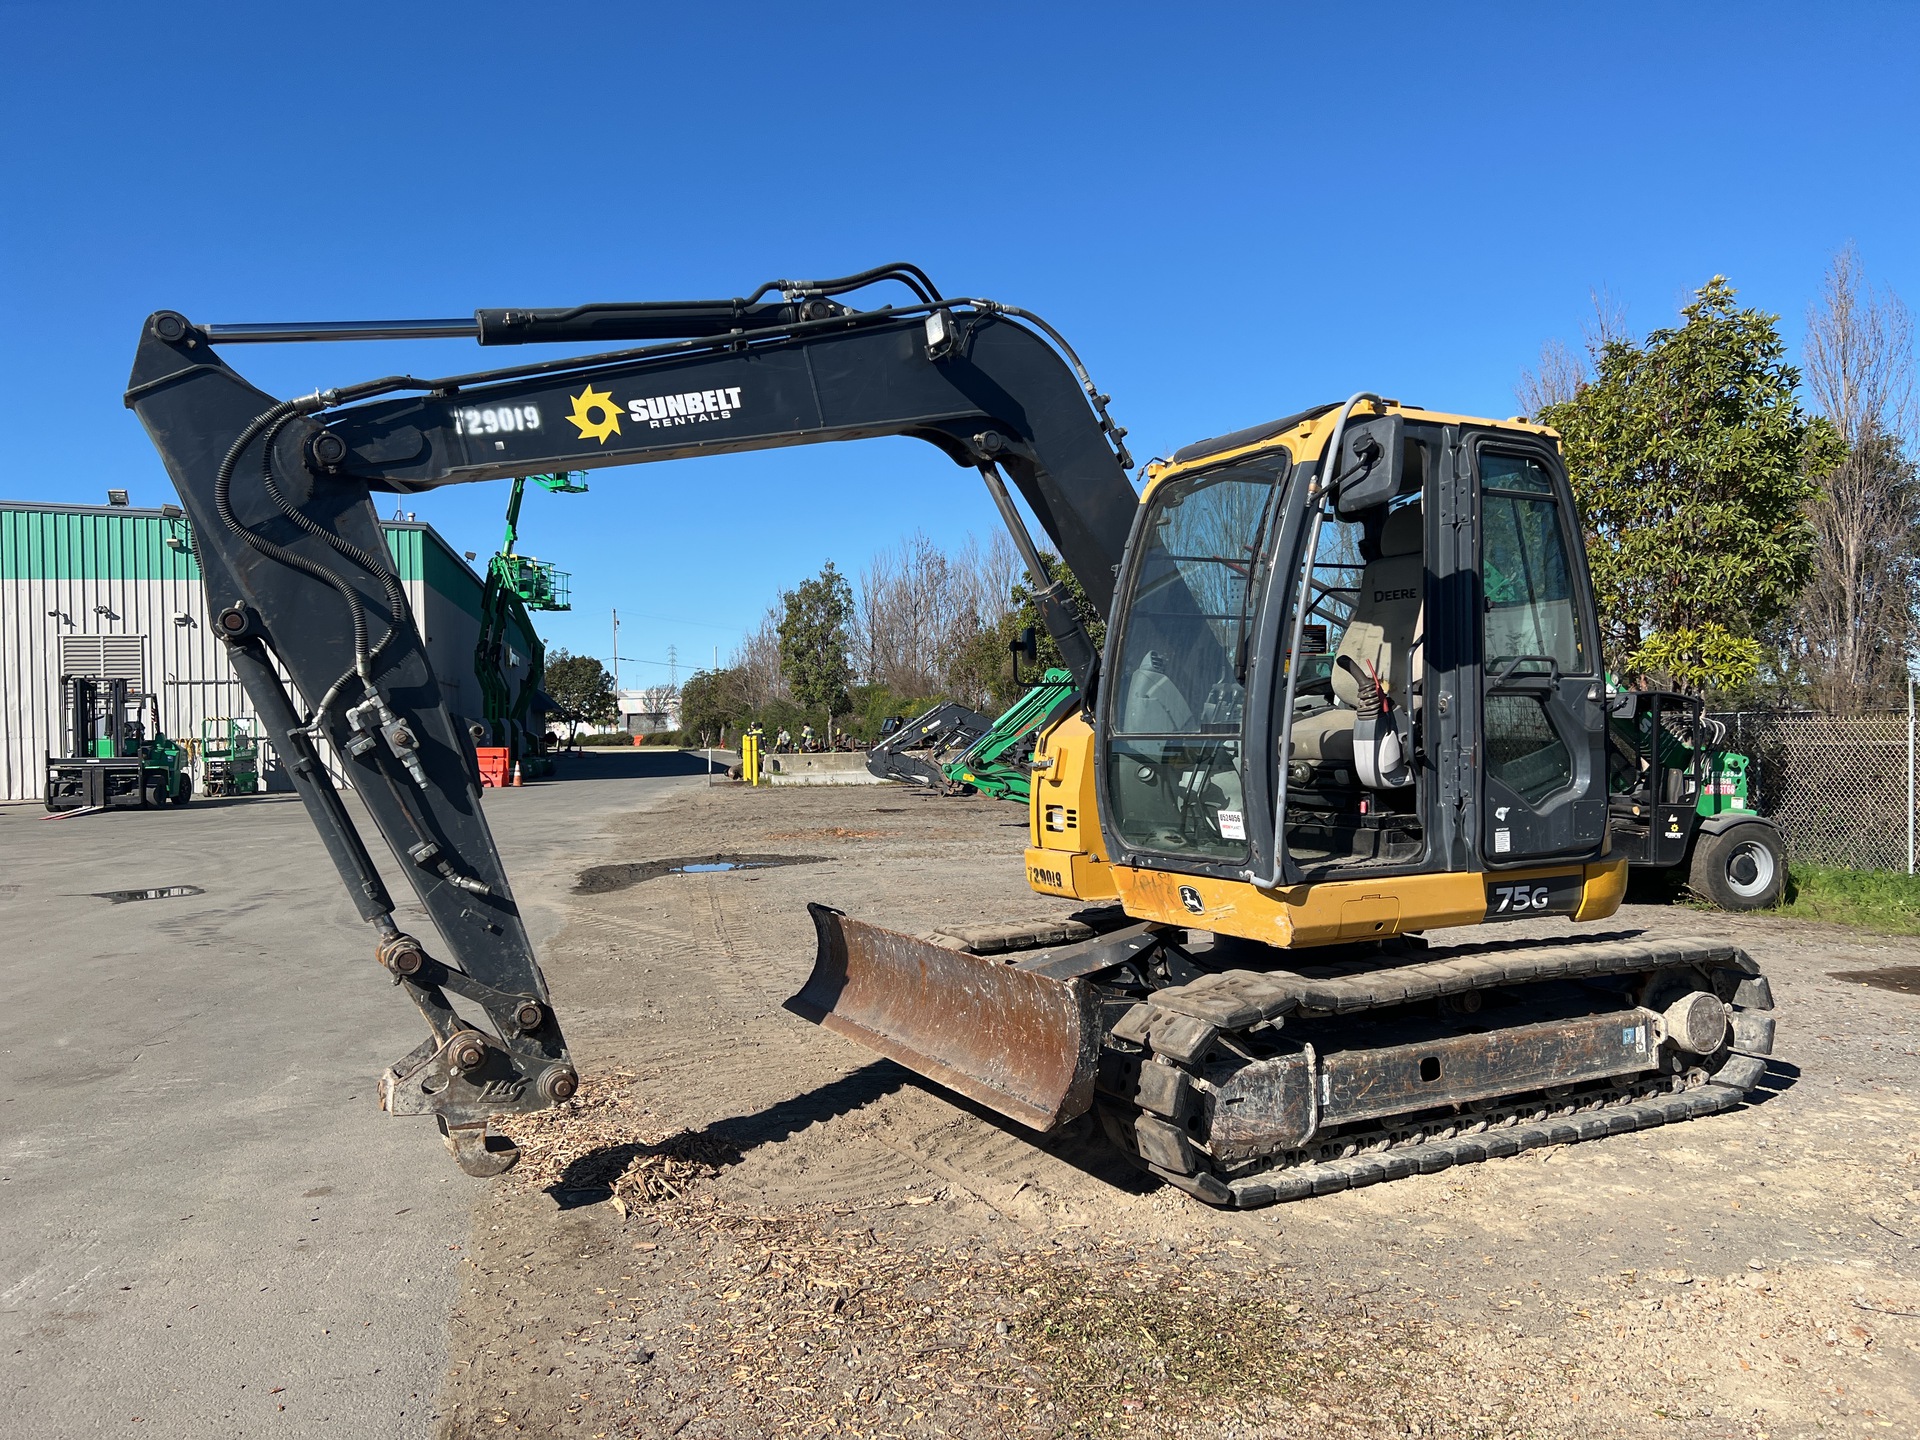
{"type": "Point", "coordinates": [1303, 436]}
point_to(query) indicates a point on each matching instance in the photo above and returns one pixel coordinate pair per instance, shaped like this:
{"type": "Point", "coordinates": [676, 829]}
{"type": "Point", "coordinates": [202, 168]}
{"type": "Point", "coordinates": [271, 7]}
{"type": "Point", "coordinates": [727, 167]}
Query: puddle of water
{"type": "Point", "coordinates": [162, 892]}
{"type": "Point", "coordinates": [1902, 979]}
{"type": "Point", "coordinates": [600, 879]}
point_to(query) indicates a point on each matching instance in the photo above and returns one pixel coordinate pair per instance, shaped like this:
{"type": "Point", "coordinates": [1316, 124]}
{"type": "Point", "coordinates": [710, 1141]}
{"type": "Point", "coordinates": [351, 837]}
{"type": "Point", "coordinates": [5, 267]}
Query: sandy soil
{"type": "Point", "coordinates": [751, 1227]}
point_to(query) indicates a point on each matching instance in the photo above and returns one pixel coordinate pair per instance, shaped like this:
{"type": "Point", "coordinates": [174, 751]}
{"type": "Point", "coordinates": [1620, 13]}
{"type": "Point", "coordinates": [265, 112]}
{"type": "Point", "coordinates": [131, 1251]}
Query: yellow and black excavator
{"type": "Point", "coordinates": [1351, 695]}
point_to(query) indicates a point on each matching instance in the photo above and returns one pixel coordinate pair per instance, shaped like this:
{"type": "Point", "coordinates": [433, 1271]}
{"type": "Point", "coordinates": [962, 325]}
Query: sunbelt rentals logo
{"type": "Point", "coordinates": [596, 414]}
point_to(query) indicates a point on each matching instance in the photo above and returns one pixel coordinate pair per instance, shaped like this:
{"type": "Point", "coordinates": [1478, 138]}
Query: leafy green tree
{"type": "Point", "coordinates": [581, 684]}
{"type": "Point", "coordinates": [816, 633]}
{"type": "Point", "coordinates": [1690, 458]}
{"type": "Point", "coordinates": [710, 705]}
{"type": "Point", "coordinates": [874, 705]}
{"type": "Point", "coordinates": [987, 660]}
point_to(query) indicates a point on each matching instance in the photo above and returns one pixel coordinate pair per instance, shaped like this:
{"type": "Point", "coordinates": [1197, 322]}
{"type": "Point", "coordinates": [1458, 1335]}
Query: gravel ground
{"type": "Point", "coordinates": [746, 1226]}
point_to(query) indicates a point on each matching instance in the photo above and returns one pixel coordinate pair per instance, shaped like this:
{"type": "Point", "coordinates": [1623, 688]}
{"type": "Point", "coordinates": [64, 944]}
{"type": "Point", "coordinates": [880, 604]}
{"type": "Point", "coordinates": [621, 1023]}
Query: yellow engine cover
{"type": "Point", "coordinates": [1065, 854]}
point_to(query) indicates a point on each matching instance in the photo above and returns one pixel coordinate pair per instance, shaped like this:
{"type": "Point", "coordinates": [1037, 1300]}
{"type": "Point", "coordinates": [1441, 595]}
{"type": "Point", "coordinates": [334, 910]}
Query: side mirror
{"type": "Point", "coordinates": [1026, 647]}
{"type": "Point", "coordinates": [1371, 464]}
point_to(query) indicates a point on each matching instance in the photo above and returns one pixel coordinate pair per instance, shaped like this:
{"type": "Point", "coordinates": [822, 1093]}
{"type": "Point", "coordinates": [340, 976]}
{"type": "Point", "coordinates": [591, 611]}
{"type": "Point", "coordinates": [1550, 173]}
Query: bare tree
{"type": "Point", "coordinates": [1560, 372]}
{"type": "Point", "coordinates": [1854, 634]}
{"type": "Point", "coordinates": [921, 608]}
{"type": "Point", "coordinates": [992, 571]}
{"type": "Point", "coordinates": [657, 705]}
{"type": "Point", "coordinates": [908, 606]}
{"type": "Point", "coordinates": [1557, 380]}
{"type": "Point", "coordinates": [755, 663]}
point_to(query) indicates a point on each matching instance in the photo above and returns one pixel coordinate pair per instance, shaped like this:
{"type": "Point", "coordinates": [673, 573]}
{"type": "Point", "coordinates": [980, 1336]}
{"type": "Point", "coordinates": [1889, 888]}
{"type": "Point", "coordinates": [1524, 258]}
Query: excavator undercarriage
{"type": "Point", "coordinates": [1349, 1065]}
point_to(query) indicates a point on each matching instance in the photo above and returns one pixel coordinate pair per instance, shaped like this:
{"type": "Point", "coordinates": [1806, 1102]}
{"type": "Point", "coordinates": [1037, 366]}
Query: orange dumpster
{"type": "Point", "coordinates": [494, 764]}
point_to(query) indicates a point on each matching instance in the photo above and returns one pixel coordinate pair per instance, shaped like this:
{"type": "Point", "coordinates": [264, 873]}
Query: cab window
{"type": "Point", "coordinates": [1177, 692]}
{"type": "Point", "coordinates": [1527, 574]}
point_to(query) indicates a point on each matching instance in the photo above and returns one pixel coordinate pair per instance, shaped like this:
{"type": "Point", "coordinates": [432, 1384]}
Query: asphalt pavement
{"type": "Point", "coordinates": [207, 1227]}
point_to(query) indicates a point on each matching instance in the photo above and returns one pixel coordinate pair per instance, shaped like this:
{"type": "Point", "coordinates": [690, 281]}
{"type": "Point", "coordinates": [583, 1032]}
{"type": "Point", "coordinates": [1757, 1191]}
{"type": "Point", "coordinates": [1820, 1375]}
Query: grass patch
{"type": "Point", "coordinates": [800, 1326]}
{"type": "Point", "coordinates": [1119, 1349]}
{"type": "Point", "coordinates": [1879, 900]}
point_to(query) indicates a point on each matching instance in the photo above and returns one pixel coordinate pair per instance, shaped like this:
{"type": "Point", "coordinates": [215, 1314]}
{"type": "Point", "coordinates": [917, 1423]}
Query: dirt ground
{"type": "Point", "coordinates": [747, 1226]}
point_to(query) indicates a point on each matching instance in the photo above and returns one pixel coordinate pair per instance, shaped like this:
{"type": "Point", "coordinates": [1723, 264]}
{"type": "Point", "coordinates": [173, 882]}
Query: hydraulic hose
{"type": "Point", "coordinates": [271, 421]}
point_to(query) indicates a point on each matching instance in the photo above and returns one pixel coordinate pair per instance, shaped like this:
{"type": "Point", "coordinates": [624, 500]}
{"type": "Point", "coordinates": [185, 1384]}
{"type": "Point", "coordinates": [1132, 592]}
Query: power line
{"type": "Point", "coordinates": [637, 660]}
{"type": "Point", "coordinates": [681, 620]}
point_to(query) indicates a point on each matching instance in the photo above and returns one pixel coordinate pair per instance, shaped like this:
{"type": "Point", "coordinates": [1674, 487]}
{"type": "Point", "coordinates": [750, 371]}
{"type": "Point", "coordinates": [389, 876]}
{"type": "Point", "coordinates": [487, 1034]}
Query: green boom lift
{"type": "Point", "coordinates": [515, 585]}
{"type": "Point", "coordinates": [950, 746]}
{"type": "Point", "coordinates": [999, 762]}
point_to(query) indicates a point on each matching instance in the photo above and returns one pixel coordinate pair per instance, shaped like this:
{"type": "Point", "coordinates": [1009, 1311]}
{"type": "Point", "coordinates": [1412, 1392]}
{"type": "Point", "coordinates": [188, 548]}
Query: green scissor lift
{"type": "Point", "coordinates": [516, 584]}
{"type": "Point", "coordinates": [229, 756]}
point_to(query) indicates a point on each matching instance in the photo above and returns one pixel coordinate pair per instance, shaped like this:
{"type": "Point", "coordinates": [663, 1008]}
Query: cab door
{"type": "Point", "coordinates": [1542, 704]}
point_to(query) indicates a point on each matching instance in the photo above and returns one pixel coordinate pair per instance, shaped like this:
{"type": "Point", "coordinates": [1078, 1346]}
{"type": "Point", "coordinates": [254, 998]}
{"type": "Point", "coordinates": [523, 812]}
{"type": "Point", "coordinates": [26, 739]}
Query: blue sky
{"type": "Point", "coordinates": [1231, 211]}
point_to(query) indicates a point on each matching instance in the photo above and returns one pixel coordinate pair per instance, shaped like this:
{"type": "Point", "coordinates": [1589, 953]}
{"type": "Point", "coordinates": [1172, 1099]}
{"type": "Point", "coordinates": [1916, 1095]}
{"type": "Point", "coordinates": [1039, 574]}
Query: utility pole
{"type": "Point", "coordinates": [716, 670]}
{"type": "Point", "coordinates": [616, 656]}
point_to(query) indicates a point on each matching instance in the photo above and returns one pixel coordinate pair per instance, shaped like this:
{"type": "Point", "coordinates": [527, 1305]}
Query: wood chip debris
{"type": "Point", "coordinates": [600, 1143]}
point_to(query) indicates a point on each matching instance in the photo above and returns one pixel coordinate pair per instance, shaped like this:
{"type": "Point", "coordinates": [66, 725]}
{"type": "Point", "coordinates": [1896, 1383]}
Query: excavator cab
{"type": "Point", "coordinates": [1304, 683]}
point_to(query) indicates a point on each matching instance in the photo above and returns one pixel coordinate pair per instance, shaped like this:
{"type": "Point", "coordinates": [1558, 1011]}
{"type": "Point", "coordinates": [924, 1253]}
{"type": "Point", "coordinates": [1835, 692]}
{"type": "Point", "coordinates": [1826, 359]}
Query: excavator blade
{"type": "Point", "coordinates": [1019, 1042]}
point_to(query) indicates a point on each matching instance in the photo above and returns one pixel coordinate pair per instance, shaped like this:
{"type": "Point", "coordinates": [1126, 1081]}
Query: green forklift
{"type": "Point", "coordinates": [117, 755]}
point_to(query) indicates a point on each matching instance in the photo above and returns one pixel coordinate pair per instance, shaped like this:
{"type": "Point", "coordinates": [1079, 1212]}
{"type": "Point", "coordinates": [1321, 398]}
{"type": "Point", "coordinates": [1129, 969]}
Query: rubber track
{"type": "Point", "coordinates": [1301, 1181]}
{"type": "Point", "coordinates": [1234, 999]}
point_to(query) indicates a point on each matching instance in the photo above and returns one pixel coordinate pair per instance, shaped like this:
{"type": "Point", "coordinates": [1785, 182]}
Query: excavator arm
{"type": "Point", "coordinates": [317, 623]}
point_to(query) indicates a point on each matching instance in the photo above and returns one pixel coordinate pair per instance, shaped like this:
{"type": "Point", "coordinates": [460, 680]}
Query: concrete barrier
{"type": "Point", "coordinates": [831, 767]}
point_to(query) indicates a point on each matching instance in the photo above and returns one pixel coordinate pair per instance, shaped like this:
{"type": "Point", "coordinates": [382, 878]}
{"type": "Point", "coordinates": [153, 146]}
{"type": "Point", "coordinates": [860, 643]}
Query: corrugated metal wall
{"type": "Point", "coordinates": [102, 570]}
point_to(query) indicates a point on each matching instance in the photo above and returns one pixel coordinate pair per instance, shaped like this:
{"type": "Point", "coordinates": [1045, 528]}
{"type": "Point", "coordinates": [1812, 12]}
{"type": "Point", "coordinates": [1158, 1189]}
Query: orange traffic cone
{"type": "Point", "coordinates": [516, 772]}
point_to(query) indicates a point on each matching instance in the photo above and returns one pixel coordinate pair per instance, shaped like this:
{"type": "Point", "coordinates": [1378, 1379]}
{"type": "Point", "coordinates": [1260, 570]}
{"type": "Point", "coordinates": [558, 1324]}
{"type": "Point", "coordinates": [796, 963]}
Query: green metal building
{"type": "Point", "coordinates": [114, 591]}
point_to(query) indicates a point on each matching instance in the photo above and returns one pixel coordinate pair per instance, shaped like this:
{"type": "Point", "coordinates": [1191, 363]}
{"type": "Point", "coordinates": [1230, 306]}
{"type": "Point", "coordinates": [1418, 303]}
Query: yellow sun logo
{"type": "Point", "coordinates": [585, 404]}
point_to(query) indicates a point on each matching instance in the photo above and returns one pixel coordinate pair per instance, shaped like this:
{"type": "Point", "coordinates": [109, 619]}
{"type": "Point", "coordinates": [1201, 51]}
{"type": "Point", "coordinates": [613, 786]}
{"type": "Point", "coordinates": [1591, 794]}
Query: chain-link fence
{"type": "Point", "coordinates": [1841, 788]}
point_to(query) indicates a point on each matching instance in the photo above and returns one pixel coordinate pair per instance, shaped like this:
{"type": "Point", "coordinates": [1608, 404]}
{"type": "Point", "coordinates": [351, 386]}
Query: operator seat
{"type": "Point", "coordinates": [1385, 631]}
{"type": "Point", "coordinates": [1154, 776]}
{"type": "Point", "coordinates": [1154, 702]}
